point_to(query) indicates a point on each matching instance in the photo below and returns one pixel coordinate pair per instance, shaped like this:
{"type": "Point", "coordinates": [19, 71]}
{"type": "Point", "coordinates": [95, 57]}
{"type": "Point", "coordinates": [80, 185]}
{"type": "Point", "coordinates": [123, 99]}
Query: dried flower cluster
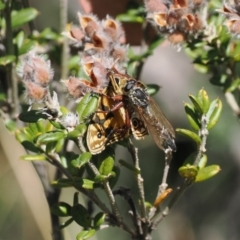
{"type": "Point", "coordinates": [36, 74]}
{"type": "Point", "coordinates": [103, 49]}
{"type": "Point", "coordinates": [177, 19]}
{"type": "Point", "coordinates": [232, 13]}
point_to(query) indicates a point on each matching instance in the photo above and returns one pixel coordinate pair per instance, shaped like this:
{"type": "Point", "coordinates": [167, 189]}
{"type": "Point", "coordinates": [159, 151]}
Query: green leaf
{"type": "Point", "coordinates": [23, 16]}
{"type": "Point", "coordinates": [61, 183]}
{"type": "Point", "coordinates": [234, 85]}
{"type": "Point", "coordinates": [214, 113]}
{"type": "Point", "coordinates": [59, 146]}
{"type": "Point", "coordinates": [7, 60]}
{"type": "Point", "coordinates": [189, 134]}
{"type": "Point", "coordinates": [87, 106]}
{"type": "Point", "coordinates": [33, 157]}
{"type": "Point", "coordinates": [32, 116]}
{"type": "Point", "coordinates": [207, 172]}
{"type": "Point", "coordinates": [129, 166]}
{"type": "Point", "coordinates": [50, 137]}
{"type": "Point", "coordinates": [192, 116]}
{"type": "Point", "coordinates": [81, 216]}
{"type": "Point", "coordinates": [197, 104]}
{"type": "Point", "coordinates": [203, 161]}
{"type": "Point", "coordinates": [188, 171]}
{"type": "Point", "coordinates": [30, 147]}
{"type": "Point", "coordinates": [27, 46]}
{"type": "Point", "coordinates": [81, 160]}
{"type": "Point", "coordinates": [203, 99]}
{"type": "Point", "coordinates": [57, 124]}
{"type": "Point", "coordinates": [99, 219]}
{"type": "Point", "coordinates": [61, 209]}
{"type": "Point", "coordinates": [67, 223]}
{"type": "Point", "coordinates": [86, 234]}
{"type": "Point", "coordinates": [18, 40]}
{"type": "Point", "coordinates": [106, 166]}
{"type": "Point", "coordinates": [152, 89]}
{"type": "Point", "coordinates": [84, 183]}
{"type": "Point", "coordinates": [77, 132]}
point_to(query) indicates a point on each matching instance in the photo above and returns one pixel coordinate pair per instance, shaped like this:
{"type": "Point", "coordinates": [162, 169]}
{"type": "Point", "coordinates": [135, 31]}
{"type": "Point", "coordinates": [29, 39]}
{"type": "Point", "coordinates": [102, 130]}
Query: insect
{"type": "Point", "coordinates": [135, 98]}
{"type": "Point", "coordinates": [108, 127]}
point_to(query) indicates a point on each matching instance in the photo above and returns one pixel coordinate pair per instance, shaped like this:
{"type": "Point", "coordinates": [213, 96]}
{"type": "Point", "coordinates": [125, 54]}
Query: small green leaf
{"type": "Point", "coordinates": [19, 39]}
{"type": "Point", "coordinates": [50, 137]}
{"type": "Point", "coordinates": [203, 99]}
{"type": "Point", "coordinates": [57, 125]}
{"type": "Point", "coordinates": [99, 219]}
{"type": "Point", "coordinates": [214, 112]}
{"type": "Point", "coordinates": [84, 183]}
{"type": "Point", "coordinates": [203, 161]}
{"type": "Point", "coordinates": [152, 89]}
{"type": "Point", "coordinates": [75, 198]}
{"type": "Point", "coordinates": [189, 134]}
{"type": "Point", "coordinates": [197, 104]}
{"type": "Point", "coordinates": [7, 60]}
{"type": "Point", "coordinates": [30, 147]}
{"type": "Point", "coordinates": [86, 234]}
{"type": "Point", "coordinates": [81, 216]}
{"type": "Point", "coordinates": [61, 209]}
{"type": "Point", "coordinates": [192, 116]}
{"type": "Point", "coordinates": [67, 223]}
{"type": "Point", "coordinates": [33, 157]}
{"type": "Point", "coordinates": [207, 172]}
{"type": "Point", "coordinates": [59, 146]}
{"type": "Point", "coordinates": [234, 85]}
{"type": "Point", "coordinates": [61, 183]}
{"type": "Point", "coordinates": [87, 106]}
{"type": "Point", "coordinates": [188, 171]}
{"type": "Point", "coordinates": [27, 46]}
{"type": "Point", "coordinates": [129, 166]}
{"type": "Point", "coordinates": [106, 166]}
{"type": "Point", "coordinates": [77, 132]}
{"type": "Point", "coordinates": [34, 128]}
{"type": "Point", "coordinates": [81, 160]}
{"type": "Point", "coordinates": [32, 116]}
{"type": "Point", "coordinates": [23, 16]}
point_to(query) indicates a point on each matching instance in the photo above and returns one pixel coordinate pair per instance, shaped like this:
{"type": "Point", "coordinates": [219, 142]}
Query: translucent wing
{"type": "Point", "coordinates": [158, 126]}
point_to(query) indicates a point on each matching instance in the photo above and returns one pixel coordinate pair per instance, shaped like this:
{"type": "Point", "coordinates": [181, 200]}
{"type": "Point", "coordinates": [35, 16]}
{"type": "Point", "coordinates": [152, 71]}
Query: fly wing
{"type": "Point", "coordinates": [158, 126]}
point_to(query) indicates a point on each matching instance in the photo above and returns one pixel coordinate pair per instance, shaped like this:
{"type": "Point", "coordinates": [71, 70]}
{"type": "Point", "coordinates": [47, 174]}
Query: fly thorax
{"type": "Point", "coordinates": [139, 97]}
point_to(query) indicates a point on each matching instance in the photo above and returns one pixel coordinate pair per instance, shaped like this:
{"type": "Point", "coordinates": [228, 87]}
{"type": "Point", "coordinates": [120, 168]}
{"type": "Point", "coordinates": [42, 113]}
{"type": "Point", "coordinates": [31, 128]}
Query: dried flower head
{"type": "Point", "coordinates": [35, 92]}
{"type": "Point", "coordinates": [178, 20]}
{"type": "Point", "coordinates": [35, 68]}
{"type": "Point", "coordinates": [232, 13]}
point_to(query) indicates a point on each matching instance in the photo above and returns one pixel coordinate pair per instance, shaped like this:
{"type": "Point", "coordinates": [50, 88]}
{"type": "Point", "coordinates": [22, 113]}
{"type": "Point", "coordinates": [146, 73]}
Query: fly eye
{"type": "Point", "coordinates": [130, 84]}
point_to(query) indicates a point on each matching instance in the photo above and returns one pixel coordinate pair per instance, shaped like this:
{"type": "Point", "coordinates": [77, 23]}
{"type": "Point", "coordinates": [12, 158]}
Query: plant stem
{"type": "Point", "coordinates": [134, 153]}
{"type": "Point", "coordinates": [65, 47]}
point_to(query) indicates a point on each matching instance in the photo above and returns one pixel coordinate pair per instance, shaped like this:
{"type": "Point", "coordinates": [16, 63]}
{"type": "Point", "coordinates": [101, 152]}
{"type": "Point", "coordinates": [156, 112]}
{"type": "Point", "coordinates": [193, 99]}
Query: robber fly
{"type": "Point", "coordinates": [136, 98]}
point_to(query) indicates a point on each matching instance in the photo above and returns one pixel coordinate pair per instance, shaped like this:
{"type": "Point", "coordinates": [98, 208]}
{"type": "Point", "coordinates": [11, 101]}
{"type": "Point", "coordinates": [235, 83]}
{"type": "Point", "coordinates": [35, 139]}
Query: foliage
{"type": "Point", "coordinates": [49, 129]}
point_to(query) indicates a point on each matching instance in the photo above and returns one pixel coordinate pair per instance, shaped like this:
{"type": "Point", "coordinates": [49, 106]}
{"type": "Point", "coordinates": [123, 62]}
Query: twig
{"type": "Point", "coordinates": [231, 100]}
{"type": "Point", "coordinates": [65, 47]}
{"type": "Point", "coordinates": [141, 229]}
{"type": "Point", "coordinates": [134, 153]}
{"type": "Point", "coordinates": [164, 185]}
{"type": "Point", "coordinates": [178, 193]}
{"type": "Point", "coordinates": [203, 134]}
